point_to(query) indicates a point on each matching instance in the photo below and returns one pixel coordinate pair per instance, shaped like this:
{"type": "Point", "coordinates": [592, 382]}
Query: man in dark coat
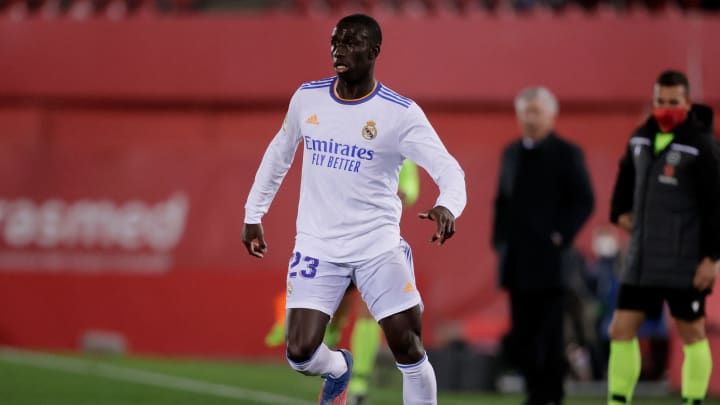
{"type": "Point", "coordinates": [544, 197]}
{"type": "Point", "coordinates": [667, 195]}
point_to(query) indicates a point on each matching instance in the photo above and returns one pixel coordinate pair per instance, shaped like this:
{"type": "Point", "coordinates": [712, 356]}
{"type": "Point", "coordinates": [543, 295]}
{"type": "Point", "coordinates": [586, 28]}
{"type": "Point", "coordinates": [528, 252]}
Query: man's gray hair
{"type": "Point", "coordinates": [538, 92]}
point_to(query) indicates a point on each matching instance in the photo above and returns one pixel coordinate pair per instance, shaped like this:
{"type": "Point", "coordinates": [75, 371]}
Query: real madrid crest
{"type": "Point", "coordinates": [369, 131]}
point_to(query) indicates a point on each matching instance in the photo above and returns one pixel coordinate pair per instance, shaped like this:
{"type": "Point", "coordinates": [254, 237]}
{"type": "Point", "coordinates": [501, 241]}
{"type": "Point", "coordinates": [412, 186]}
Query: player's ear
{"type": "Point", "coordinates": [375, 51]}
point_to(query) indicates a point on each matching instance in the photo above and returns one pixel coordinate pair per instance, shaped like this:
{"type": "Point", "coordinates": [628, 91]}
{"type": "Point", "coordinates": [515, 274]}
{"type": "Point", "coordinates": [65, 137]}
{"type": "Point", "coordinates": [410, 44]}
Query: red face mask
{"type": "Point", "coordinates": [669, 118]}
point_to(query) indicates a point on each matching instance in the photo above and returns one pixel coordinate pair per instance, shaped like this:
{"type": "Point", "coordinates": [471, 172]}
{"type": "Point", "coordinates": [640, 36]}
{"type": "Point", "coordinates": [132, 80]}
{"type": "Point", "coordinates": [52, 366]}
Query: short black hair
{"type": "Point", "coordinates": [671, 78]}
{"type": "Point", "coordinates": [367, 22]}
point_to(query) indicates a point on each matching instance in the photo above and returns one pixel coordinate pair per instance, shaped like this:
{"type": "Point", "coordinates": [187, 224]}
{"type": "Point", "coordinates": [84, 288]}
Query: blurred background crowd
{"type": "Point", "coordinates": [125, 8]}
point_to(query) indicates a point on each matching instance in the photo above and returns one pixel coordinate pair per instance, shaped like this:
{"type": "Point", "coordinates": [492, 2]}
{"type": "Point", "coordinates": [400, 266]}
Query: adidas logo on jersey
{"type": "Point", "coordinates": [313, 120]}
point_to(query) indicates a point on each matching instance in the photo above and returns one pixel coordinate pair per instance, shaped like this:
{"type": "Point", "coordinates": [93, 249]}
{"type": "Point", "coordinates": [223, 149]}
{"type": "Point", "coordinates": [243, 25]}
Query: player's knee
{"type": "Point", "coordinates": [620, 331]}
{"type": "Point", "coordinates": [299, 351]}
{"type": "Point", "coordinates": [691, 332]}
{"type": "Point", "coordinates": [407, 347]}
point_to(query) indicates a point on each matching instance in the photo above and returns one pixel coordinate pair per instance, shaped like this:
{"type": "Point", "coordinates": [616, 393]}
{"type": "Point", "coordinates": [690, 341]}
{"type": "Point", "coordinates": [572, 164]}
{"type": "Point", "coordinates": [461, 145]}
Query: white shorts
{"type": "Point", "coordinates": [386, 282]}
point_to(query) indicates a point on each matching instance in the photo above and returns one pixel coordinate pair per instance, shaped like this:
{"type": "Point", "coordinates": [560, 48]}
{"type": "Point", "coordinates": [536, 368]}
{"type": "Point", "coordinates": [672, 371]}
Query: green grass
{"type": "Point", "coordinates": [86, 380]}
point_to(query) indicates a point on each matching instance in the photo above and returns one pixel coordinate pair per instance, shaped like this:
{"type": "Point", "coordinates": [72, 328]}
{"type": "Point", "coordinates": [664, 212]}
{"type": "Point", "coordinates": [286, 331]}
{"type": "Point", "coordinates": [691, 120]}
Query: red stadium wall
{"type": "Point", "coordinates": [127, 150]}
{"type": "Point", "coordinates": [63, 258]}
{"type": "Point", "coordinates": [76, 156]}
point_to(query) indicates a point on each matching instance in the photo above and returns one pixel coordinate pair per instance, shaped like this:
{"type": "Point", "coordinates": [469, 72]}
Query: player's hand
{"type": "Point", "coordinates": [254, 240]}
{"type": "Point", "coordinates": [625, 221]}
{"type": "Point", "coordinates": [445, 223]}
{"type": "Point", "coordinates": [706, 274]}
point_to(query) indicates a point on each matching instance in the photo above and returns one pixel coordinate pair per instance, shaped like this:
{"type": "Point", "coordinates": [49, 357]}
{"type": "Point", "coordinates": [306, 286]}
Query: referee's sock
{"type": "Point", "coordinates": [623, 370]}
{"type": "Point", "coordinates": [696, 370]}
{"type": "Point", "coordinates": [333, 332]}
{"type": "Point", "coordinates": [364, 344]}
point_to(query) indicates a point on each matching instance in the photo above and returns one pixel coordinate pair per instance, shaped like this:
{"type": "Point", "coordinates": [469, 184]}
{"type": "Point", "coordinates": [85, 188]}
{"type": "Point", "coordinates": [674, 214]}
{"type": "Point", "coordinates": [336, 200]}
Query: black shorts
{"type": "Point", "coordinates": [687, 304]}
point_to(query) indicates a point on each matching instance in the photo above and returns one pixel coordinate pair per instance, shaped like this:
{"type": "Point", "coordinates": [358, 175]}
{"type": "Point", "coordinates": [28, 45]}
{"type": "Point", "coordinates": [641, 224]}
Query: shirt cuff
{"type": "Point", "coordinates": [455, 208]}
{"type": "Point", "coordinates": [253, 217]}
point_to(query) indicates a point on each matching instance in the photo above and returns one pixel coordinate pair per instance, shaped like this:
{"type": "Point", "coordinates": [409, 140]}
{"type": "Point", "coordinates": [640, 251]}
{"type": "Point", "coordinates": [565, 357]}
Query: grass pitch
{"type": "Point", "coordinates": [32, 378]}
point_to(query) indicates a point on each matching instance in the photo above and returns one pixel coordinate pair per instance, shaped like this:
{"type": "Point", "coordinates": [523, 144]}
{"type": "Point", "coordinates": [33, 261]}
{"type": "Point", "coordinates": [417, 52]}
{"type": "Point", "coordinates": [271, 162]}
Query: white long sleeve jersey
{"type": "Point", "coordinates": [349, 209]}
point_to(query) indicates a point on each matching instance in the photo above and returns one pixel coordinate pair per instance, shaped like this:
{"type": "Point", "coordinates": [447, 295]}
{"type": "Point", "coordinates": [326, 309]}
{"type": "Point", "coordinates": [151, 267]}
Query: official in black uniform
{"type": "Point", "coordinates": [544, 197]}
{"type": "Point", "coordinates": [667, 195]}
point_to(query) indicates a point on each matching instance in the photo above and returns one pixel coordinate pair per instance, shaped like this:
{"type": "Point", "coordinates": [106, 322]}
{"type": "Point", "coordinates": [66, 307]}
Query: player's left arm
{"type": "Point", "coordinates": [420, 143]}
{"type": "Point", "coordinates": [409, 183]}
{"type": "Point", "coordinates": [707, 175]}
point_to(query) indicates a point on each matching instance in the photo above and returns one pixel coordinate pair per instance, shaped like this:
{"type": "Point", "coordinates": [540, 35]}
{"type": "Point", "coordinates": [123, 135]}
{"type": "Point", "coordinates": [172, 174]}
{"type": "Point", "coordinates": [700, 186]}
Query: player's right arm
{"type": "Point", "coordinates": [623, 192]}
{"type": "Point", "coordinates": [274, 166]}
{"type": "Point", "coordinates": [421, 144]}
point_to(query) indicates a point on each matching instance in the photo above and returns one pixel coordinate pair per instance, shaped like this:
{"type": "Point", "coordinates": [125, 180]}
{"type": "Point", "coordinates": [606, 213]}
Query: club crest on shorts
{"type": "Point", "coordinates": [369, 131]}
{"type": "Point", "coordinates": [289, 288]}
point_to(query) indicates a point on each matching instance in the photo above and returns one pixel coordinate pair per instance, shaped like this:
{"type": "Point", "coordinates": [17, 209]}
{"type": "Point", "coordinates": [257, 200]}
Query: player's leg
{"type": "Point", "coordinates": [403, 334]}
{"type": "Point", "coordinates": [308, 355]}
{"type": "Point", "coordinates": [625, 360]}
{"type": "Point", "coordinates": [387, 285]}
{"type": "Point", "coordinates": [688, 310]}
{"type": "Point", "coordinates": [634, 303]}
{"type": "Point", "coordinates": [315, 290]}
{"type": "Point", "coordinates": [333, 334]}
{"type": "Point", "coordinates": [276, 335]}
{"type": "Point", "coordinates": [697, 364]}
{"type": "Point", "coordinates": [305, 349]}
{"type": "Point", "coordinates": [364, 344]}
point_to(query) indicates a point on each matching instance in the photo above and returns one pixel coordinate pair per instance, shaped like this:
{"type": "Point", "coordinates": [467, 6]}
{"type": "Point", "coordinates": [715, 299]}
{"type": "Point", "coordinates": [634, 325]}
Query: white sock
{"type": "Point", "coordinates": [324, 361]}
{"type": "Point", "coordinates": [419, 384]}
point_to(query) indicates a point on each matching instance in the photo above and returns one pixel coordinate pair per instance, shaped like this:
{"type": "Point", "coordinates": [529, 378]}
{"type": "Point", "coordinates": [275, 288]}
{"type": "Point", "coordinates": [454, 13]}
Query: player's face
{"type": "Point", "coordinates": [671, 97]}
{"type": "Point", "coordinates": [351, 52]}
{"type": "Point", "coordinates": [536, 119]}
